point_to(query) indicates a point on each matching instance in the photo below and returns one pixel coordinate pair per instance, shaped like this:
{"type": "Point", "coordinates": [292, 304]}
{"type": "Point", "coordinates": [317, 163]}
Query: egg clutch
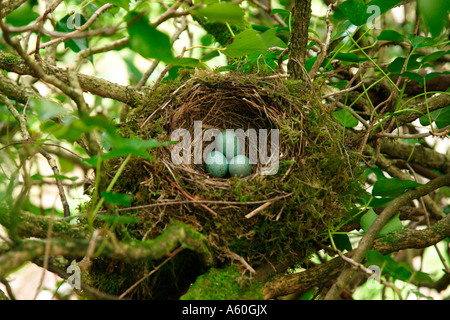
{"type": "Point", "coordinates": [227, 157]}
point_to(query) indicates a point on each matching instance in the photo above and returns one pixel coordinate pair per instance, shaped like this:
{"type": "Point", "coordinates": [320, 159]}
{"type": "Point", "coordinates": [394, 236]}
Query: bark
{"type": "Point", "coordinates": [281, 285]}
{"type": "Point", "coordinates": [370, 235]}
{"type": "Point", "coordinates": [417, 154]}
{"type": "Point", "coordinates": [94, 85]}
{"type": "Point", "coordinates": [175, 235]}
{"type": "Point", "coordinates": [301, 14]}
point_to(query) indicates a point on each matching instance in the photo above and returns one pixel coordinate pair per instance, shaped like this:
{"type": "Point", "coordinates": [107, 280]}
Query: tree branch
{"type": "Point", "coordinates": [94, 85]}
{"type": "Point", "coordinates": [301, 14]}
{"type": "Point", "coordinates": [282, 285]}
{"type": "Point", "coordinates": [367, 240]}
{"type": "Point", "coordinates": [418, 154]}
{"type": "Point", "coordinates": [174, 235]}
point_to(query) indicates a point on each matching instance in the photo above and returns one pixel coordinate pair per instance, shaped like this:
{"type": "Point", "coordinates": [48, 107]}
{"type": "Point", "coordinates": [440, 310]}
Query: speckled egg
{"type": "Point", "coordinates": [216, 164]}
{"type": "Point", "coordinates": [239, 166]}
{"type": "Point", "coordinates": [227, 142]}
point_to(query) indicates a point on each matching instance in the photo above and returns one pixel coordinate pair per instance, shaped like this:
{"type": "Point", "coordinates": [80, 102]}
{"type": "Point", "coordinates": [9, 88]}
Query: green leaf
{"type": "Point", "coordinates": [359, 12]}
{"type": "Point", "coordinates": [414, 76]}
{"type": "Point", "coordinates": [342, 242]}
{"type": "Point", "coordinates": [69, 23]}
{"type": "Point", "coordinates": [420, 277]}
{"type": "Point", "coordinates": [349, 57]}
{"type": "Point", "coordinates": [397, 270]}
{"type": "Point", "coordinates": [40, 177]}
{"type": "Point", "coordinates": [433, 75]}
{"type": "Point", "coordinates": [222, 12]}
{"type": "Point", "coordinates": [117, 219]}
{"type": "Point", "coordinates": [209, 56]}
{"type": "Point", "coordinates": [393, 187]}
{"type": "Point", "coordinates": [394, 224]}
{"type": "Point", "coordinates": [390, 35]}
{"type": "Point", "coordinates": [441, 117]}
{"type": "Point", "coordinates": [118, 198]}
{"type": "Point", "coordinates": [343, 29]}
{"type": "Point", "coordinates": [125, 4]}
{"type": "Point", "coordinates": [397, 65]}
{"type": "Point", "coordinates": [434, 56]}
{"type": "Point", "coordinates": [244, 44]}
{"type": "Point", "coordinates": [146, 40]}
{"type": "Point", "coordinates": [270, 39]}
{"type": "Point", "coordinates": [280, 12]}
{"type": "Point", "coordinates": [380, 202]}
{"type": "Point", "coordinates": [435, 14]}
{"type": "Point", "coordinates": [47, 109]}
{"type": "Point", "coordinates": [345, 118]}
{"type": "Point", "coordinates": [22, 16]}
{"type": "Point", "coordinates": [123, 147]}
{"type": "Point", "coordinates": [420, 41]}
{"type": "Point", "coordinates": [354, 10]}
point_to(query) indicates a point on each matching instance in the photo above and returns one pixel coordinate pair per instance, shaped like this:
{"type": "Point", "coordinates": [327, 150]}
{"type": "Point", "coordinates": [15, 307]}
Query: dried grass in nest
{"type": "Point", "coordinates": [257, 217]}
{"type": "Point", "coordinates": [230, 104]}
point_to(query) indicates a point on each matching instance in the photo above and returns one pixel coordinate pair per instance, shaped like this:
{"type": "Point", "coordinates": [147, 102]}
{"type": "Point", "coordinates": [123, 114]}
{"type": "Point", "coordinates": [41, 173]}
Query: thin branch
{"type": "Point", "coordinates": [369, 272]}
{"type": "Point", "coordinates": [26, 136]}
{"type": "Point", "coordinates": [285, 284]}
{"type": "Point", "coordinates": [324, 49]}
{"type": "Point", "coordinates": [436, 133]}
{"type": "Point", "coordinates": [173, 254]}
{"type": "Point", "coordinates": [370, 235]}
{"type": "Point", "coordinates": [268, 10]}
{"type": "Point", "coordinates": [79, 31]}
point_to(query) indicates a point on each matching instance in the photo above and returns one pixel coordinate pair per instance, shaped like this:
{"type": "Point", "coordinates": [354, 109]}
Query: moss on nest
{"type": "Point", "coordinates": [306, 198]}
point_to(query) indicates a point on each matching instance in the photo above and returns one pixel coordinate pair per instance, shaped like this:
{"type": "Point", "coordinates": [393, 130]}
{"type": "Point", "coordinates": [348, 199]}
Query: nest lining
{"type": "Point", "coordinates": [227, 106]}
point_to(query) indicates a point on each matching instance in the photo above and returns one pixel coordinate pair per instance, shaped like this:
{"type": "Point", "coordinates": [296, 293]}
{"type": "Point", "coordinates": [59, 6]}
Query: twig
{"type": "Point", "coordinates": [436, 133]}
{"type": "Point", "coordinates": [369, 272]}
{"type": "Point", "coordinates": [173, 254]}
{"type": "Point", "coordinates": [76, 32]}
{"type": "Point", "coordinates": [40, 23]}
{"type": "Point", "coordinates": [176, 203]}
{"type": "Point", "coordinates": [55, 169]}
{"type": "Point", "coordinates": [367, 240]}
{"type": "Point", "coordinates": [165, 104]}
{"type": "Point", "coordinates": [50, 160]}
{"type": "Point", "coordinates": [46, 253]}
{"type": "Point", "coordinates": [342, 91]}
{"type": "Point", "coordinates": [268, 9]}
{"type": "Point", "coordinates": [324, 49]}
{"type": "Point", "coordinates": [257, 210]}
{"type": "Point", "coordinates": [235, 256]}
{"type": "Point", "coordinates": [306, 74]}
{"type": "Point", "coordinates": [427, 219]}
{"type": "Point", "coordinates": [353, 112]}
{"type": "Point", "coordinates": [191, 197]}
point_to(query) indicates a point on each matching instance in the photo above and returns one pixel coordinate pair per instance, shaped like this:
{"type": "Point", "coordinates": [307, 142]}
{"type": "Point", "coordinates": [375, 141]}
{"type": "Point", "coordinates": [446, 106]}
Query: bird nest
{"type": "Point", "coordinates": [266, 216]}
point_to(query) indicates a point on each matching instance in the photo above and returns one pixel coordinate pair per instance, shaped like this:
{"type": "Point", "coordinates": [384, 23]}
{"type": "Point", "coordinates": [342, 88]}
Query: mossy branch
{"type": "Point", "coordinates": [425, 157]}
{"type": "Point", "coordinates": [94, 85]}
{"type": "Point", "coordinates": [175, 235]}
{"type": "Point", "coordinates": [32, 225]}
{"type": "Point", "coordinates": [391, 209]}
{"type": "Point", "coordinates": [281, 285]}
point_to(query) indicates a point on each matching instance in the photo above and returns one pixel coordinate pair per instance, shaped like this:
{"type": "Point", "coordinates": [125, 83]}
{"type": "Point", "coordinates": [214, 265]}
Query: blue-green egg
{"type": "Point", "coordinates": [227, 142]}
{"type": "Point", "coordinates": [239, 166]}
{"type": "Point", "coordinates": [216, 164]}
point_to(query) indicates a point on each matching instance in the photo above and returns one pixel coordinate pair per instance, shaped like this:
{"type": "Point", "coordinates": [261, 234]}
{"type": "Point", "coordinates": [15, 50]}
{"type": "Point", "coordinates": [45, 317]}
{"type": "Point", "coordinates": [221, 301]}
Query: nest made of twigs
{"type": "Point", "coordinates": [228, 105]}
{"type": "Point", "coordinates": [258, 217]}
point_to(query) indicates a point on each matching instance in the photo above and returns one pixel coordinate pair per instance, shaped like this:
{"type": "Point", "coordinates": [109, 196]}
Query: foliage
{"type": "Point", "coordinates": [91, 90]}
